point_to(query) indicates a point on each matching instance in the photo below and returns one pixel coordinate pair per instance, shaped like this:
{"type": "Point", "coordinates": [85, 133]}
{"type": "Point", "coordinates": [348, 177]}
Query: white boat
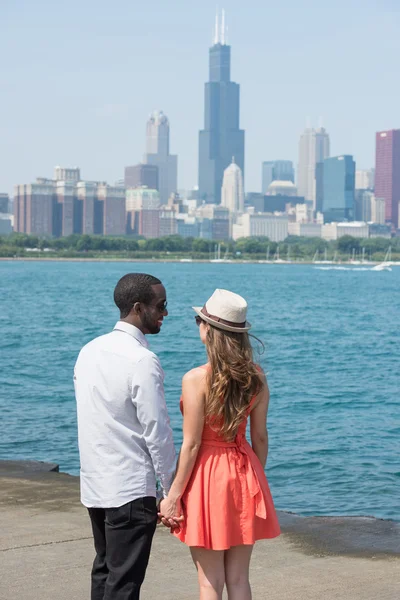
{"type": "Point", "coordinates": [386, 265]}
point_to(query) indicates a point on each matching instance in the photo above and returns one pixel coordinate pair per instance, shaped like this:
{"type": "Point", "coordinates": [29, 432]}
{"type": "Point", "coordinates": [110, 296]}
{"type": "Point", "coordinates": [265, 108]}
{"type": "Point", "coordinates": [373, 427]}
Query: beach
{"type": "Point", "coordinates": [47, 550]}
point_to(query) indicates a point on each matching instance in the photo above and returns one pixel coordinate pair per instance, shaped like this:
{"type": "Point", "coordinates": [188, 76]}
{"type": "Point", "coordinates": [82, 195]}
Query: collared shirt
{"type": "Point", "coordinates": [124, 434]}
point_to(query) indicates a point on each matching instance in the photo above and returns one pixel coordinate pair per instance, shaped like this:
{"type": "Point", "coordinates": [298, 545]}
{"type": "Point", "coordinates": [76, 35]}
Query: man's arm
{"type": "Point", "coordinates": [148, 397]}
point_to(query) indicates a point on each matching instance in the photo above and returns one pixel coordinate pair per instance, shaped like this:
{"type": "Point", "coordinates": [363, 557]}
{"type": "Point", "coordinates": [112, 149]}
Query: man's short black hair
{"type": "Point", "coordinates": [132, 288]}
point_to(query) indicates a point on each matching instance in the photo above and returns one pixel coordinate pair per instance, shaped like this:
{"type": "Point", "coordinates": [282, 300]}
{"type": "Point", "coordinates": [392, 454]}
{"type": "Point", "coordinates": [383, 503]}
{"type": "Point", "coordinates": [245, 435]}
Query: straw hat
{"type": "Point", "coordinates": [225, 310]}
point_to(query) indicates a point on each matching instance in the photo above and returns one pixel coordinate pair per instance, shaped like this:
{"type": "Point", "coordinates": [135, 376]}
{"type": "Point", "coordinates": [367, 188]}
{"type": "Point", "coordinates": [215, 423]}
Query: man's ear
{"type": "Point", "coordinates": [136, 308]}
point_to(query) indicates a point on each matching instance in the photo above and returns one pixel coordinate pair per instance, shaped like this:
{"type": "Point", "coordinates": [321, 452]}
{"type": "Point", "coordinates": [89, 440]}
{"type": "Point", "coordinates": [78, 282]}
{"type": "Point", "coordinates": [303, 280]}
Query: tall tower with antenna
{"type": "Point", "coordinates": [221, 137]}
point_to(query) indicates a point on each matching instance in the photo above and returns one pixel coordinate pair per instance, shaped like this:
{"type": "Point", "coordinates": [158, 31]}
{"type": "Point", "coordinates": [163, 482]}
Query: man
{"type": "Point", "coordinates": [125, 439]}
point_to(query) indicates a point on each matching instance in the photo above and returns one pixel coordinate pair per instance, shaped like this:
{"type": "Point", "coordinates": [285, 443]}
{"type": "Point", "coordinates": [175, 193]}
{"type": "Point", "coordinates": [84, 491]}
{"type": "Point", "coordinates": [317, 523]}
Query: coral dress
{"type": "Point", "coordinates": [227, 501]}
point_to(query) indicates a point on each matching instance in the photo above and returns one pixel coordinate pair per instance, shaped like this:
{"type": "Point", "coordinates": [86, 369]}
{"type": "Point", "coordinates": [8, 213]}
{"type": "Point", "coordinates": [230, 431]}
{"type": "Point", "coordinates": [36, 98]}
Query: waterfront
{"type": "Point", "coordinates": [331, 339]}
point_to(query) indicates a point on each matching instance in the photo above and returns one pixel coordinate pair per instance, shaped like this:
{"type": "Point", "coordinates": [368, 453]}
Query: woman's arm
{"type": "Point", "coordinates": [193, 395]}
{"type": "Point", "coordinates": [258, 423]}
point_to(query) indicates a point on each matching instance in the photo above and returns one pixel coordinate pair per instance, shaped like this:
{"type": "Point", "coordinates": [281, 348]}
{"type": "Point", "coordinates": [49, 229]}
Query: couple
{"type": "Point", "coordinates": [216, 500]}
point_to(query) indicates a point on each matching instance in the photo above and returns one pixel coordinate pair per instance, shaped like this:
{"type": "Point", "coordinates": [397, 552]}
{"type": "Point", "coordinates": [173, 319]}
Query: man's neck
{"type": "Point", "coordinates": [133, 322]}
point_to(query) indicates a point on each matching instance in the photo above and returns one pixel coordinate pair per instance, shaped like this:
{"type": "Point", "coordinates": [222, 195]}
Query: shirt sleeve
{"type": "Point", "coordinates": [148, 397]}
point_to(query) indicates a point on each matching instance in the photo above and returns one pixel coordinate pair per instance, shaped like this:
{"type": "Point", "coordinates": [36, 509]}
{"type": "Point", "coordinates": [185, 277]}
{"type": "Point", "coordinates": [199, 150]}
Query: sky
{"type": "Point", "coordinates": [79, 79]}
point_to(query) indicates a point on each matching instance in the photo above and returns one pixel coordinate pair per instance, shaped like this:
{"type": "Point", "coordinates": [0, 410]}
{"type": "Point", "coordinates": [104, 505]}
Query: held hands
{"type": "Point", "coordinates": [170, 513]}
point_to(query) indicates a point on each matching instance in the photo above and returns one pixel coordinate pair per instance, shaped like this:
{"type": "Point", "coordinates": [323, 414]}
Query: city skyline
{"type": "Point", "coordinates": [111, 123]}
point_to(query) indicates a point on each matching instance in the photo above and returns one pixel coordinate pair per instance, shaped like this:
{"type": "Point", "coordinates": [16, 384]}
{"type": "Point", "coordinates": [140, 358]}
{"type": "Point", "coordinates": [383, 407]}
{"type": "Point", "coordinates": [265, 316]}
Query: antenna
{"type": "Point", "coordinates": [320, 121]}
{"type": "Point", "coordinates": [216, 37]}
{"type": "Point", "coordinates": [223, 28]}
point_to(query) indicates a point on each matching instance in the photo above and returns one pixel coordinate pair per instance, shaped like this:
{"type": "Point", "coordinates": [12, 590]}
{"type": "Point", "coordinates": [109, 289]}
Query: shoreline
{"type": "Point", "coordinates": [358, 536]}
{"type": "Point", "coordinates": [47, 548]}
{"type": "Point", "coordinates": [327, 264]}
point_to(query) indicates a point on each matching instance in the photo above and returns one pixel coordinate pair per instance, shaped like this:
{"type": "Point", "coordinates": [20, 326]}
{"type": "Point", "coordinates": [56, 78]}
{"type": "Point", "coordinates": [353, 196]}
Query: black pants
{"type": "Point", "coordinates": [122, 540]}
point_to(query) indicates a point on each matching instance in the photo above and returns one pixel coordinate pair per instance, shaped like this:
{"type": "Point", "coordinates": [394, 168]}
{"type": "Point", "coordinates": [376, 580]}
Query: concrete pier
{"type": "Point", "coordinates": [46, 550]}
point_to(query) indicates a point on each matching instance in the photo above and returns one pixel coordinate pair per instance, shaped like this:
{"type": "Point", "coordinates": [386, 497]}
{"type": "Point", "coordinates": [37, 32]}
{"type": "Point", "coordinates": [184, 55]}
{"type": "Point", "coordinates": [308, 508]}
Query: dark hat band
{"type": "Point", "coordinates": [223, 321]}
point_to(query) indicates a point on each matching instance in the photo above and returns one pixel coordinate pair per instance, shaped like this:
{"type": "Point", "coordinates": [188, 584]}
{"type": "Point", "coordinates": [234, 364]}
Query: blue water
{"type": "Point", "coordinates": [332, 344]}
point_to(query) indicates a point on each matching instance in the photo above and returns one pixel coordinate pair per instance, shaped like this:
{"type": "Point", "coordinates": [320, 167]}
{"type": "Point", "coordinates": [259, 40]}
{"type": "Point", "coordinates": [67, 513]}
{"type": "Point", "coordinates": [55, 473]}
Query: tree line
{"type": "Point", "coordinates": [295, 248]}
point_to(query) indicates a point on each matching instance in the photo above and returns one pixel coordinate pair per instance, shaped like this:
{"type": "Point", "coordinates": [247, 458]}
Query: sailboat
{"type": "Point", "coordinates": [363, 256]}
{"type": "Point", "coordinates": [386, 265]}
{"type": "Point", "coordinates": [217, 255]}
{"type": "Point", "coordinates": [353, 259]}
{"type": "Point", "coordinates": [276, 257]}
{"type": "Point", "coordinates": [267, 260]}
{"type": "Point", "coordinates": [325, 260]}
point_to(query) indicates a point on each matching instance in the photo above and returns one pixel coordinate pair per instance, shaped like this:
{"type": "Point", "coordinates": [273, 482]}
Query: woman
{"type": "Point", "coordinates": [220, 486]}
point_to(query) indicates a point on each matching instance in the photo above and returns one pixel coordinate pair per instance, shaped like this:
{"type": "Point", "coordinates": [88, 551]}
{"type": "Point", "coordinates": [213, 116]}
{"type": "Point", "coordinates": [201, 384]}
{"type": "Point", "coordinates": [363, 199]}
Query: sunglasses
{"type": "Point", "coordinates": [198, 320]}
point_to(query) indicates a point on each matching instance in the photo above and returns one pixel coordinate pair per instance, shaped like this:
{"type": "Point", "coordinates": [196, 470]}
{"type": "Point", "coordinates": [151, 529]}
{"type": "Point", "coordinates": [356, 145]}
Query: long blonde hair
{"type": "Point", "coordinates": [232, 382]}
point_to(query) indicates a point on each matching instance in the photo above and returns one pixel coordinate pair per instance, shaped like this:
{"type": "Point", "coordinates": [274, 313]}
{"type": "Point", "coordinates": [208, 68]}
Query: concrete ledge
{"type": "Point", "coordinates": [16, 468]}
{"type": "Point", "coordinates": [46, 551]}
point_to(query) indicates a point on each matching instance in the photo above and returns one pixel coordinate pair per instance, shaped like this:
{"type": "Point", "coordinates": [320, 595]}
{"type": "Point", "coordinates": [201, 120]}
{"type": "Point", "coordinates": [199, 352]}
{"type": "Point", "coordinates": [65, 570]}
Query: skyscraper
{"type": "Point", "coordinates": [139, 175]}
{"type": "Point", "coordinates": [221, 137]}
{"type": "Point", "coordinates": [4, 202]}
{"type": "Point", "coordinates": [276, 170]}
{"type": "Point", "coordinates": [363, 200]}
{"type": "Point", "coordinates": [232, 193]}
{"type": "Point", "coordinates": [365, 179]}
{"type": "Point", "coordinates": [314, 147]}
{"type": "Point", "coordinates": [157, 153]}
{"type": "Point", "coordinates": [387, 173]}
{"type": "Point", "coordinates": [61, 207]}
{"type": "Point", "coordinates": [339, 176]}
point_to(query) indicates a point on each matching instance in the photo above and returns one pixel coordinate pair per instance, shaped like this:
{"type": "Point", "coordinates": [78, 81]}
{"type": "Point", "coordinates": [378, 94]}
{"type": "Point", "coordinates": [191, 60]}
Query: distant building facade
{"type": "Point", "coordinates": [387, 173]}
{"type": "Point", "coordinates": [378, 210]}
{"type": "Point", "coordinates": [168, 222]}
{"type": "Point", "coordinates": [365, 179]}
{"type": "Point", "coordinates": [6, 220]}
{"type": "Point", "coordinates": [339, 188]}
{"type": "Point", "coordinates": [189, 227]}
{"type": "Point", "coordinates": [282, 188]}
{"type": "Point", "coordinates": [143, 212]}
{"type": "Point", "coordinates": [221, 137]}
{"type": "Point", "coordinates": [314, 147]}
{"type": "Point", "coordinates": [255, 200]}
{"type": "Point", "coordinates": [276, 170]}
{"type": "Point", "coordinates": [305, 229]}
{"type": "Point", "coordinates": [5, 224]}
{"type": "Point", "coordinates": [232, 195]}
{"type": "Point", "coordinates": [4, 203]}
{"type": "Point", "coordinates": [56, 207]}
{"type": "Point", "coordinates": [334, 231]}
{"type": "Point", "coordinates": [140, 175]}
{"type": "Point", "coordinates": [33, 208]}
{"type": "Point", "coordinates": [363, 205]}
{"type": "Point", "coordinates": [261, 224]}
{"type": "Point", "coordinates": [378, 230]}
{"type": "Point", "coordinates": [67, 174]}
{"type": "Point", "coordinates": [280, 202]}
{"type": "Point", "coordinates": [157, 154]}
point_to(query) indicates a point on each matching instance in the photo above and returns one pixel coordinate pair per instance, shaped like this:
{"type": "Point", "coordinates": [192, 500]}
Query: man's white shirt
{"type": "Point", "coordinates": [124, 434]}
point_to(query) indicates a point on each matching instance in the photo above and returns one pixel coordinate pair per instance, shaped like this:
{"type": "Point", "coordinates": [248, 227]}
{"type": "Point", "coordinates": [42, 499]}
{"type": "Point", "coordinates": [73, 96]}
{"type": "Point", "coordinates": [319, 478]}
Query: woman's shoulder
{"type": "Point", "coordinates": [260, 372]}
{"type": "Point", "coordinates": [196, 375]}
